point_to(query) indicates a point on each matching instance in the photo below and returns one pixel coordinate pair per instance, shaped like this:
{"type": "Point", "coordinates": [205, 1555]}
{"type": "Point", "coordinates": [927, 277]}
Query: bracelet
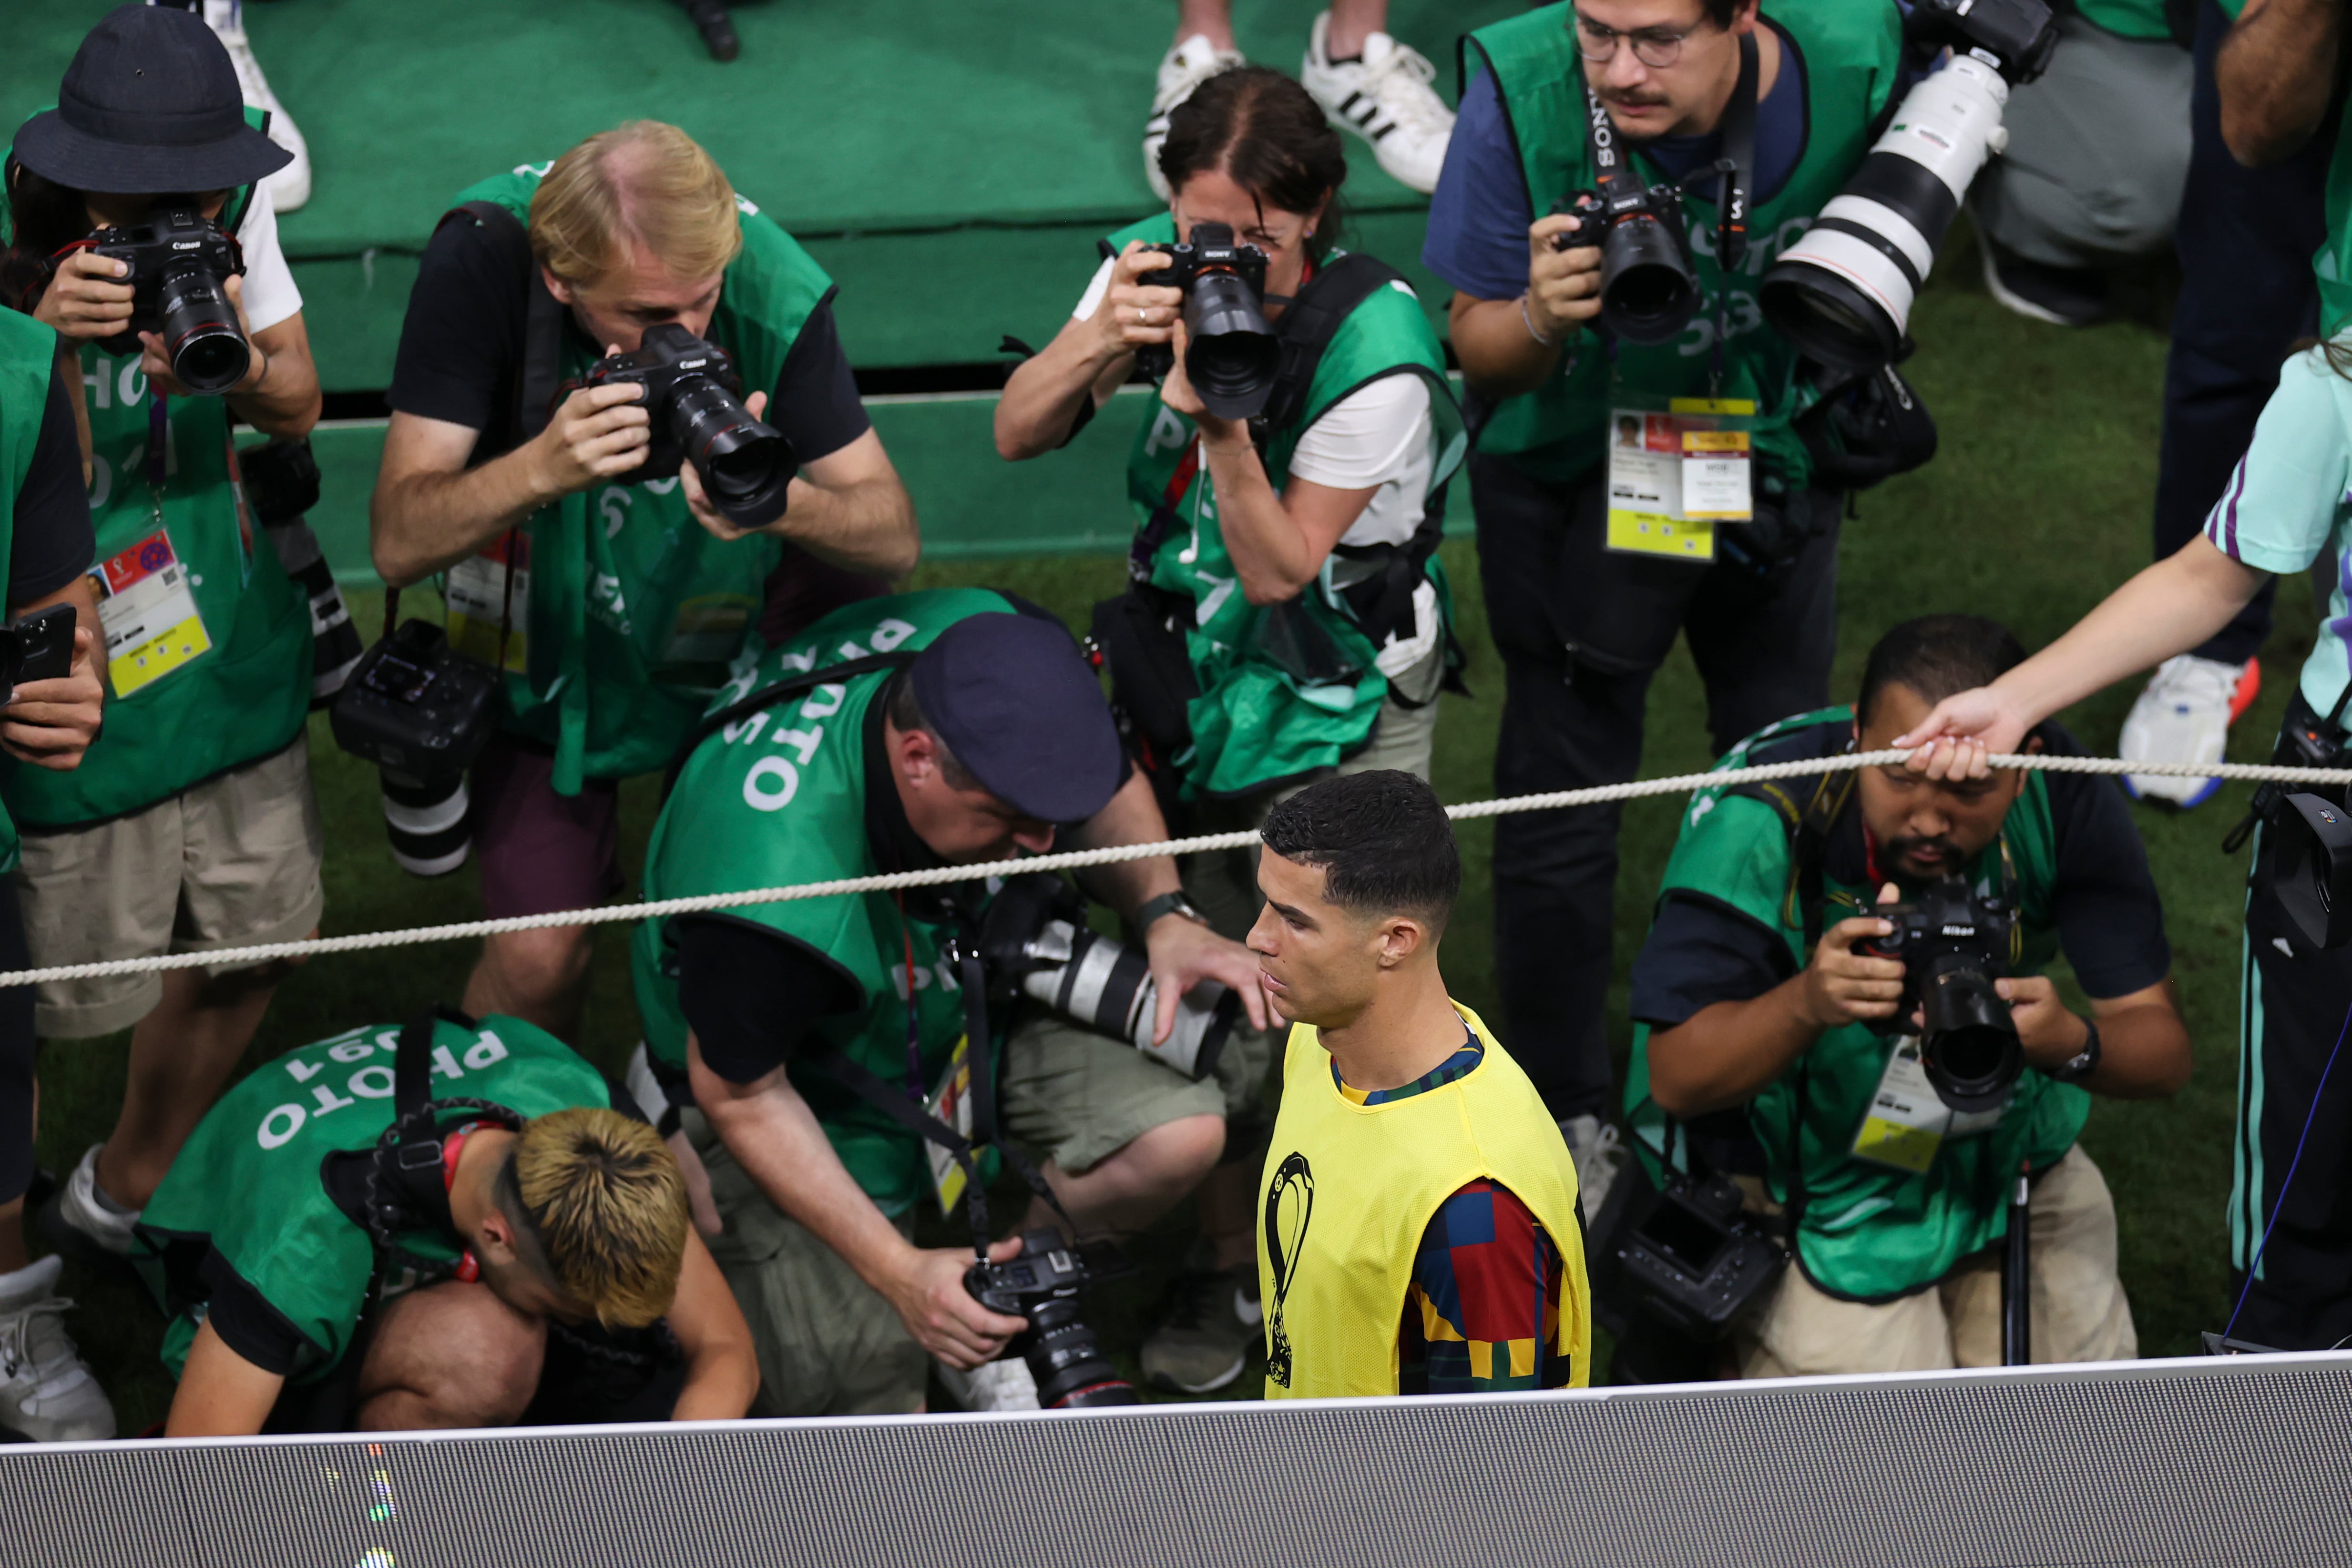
{"type": "Point", "coordinates": [1530, 321]}
{"type": "Point", "coordinates": [2083, 1062]}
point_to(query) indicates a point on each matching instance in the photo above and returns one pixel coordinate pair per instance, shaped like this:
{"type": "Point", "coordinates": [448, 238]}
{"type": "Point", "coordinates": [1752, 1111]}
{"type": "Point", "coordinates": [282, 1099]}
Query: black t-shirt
{"type": "Point", "coordinates": [51, 542]}
{"type": "Point", "coordinates": [461, 345]}
{"type": "Point", "coordinates": [2110, 920]}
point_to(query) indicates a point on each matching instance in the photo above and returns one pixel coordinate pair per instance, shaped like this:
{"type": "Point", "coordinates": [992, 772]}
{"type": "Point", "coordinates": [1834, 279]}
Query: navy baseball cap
{"type": "Point", "coordinates": [151, 104]}
{"type": "Point", "coordinates": [1020, 707]}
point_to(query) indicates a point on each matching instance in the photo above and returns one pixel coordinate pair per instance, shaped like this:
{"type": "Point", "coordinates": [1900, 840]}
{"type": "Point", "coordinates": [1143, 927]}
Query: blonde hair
{"type": "Point", "coordinates": [604, 1196]}
{"type": "Point", "coordinates": [643, 181]}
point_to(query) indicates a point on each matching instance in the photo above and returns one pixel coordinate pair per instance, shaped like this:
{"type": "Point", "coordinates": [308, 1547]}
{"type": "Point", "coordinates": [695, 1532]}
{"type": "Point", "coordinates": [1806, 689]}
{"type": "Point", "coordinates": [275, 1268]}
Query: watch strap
{"type": "Point", "coordinates": [2085, 1062]}
{"type": "Point", "coordinates": [1166, 903]}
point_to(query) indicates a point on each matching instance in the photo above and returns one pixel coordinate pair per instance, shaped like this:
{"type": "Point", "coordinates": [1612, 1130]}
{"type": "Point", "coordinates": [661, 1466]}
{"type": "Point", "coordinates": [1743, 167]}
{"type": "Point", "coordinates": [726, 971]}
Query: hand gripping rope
{"type": "Point", "coordinates": [1680, 784]}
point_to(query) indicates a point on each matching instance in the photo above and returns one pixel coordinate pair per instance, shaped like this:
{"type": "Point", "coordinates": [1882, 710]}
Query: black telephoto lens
{"type": "Point", "coordinates": [745, 465]}
{"type": "Point", "coordinates": [1968, 1045]}
{"type": "Point", "coordinates": [208, 352]}
{"type": "Point", "coordinates": [1232, 355]}
{"type": "Point", "coordinates": [1067, 1360]}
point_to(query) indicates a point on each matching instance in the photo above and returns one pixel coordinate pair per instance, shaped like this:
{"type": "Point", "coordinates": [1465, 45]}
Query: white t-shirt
{"type": "Point", "coordinates": [1380, 435]}
{"type": "Point", "coordinates": [268, 288]}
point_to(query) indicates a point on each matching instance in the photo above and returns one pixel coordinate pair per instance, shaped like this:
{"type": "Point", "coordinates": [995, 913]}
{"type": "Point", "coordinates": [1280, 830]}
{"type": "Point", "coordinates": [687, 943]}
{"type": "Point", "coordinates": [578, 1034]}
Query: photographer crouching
{"type": "Point", "coordinates": [190, 824]}
{"type": "Point", "coordinates": [1598, 542]}
{"type": "Point", "coordinates": [1842, 995]}
{"type": "Point", "coordinates": [572, 447]}
{"type": "Point", "coordinates": [841, 1054]}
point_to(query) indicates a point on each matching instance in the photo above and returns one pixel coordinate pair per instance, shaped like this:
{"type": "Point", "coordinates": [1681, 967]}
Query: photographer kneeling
{"type": "Point", "coordinates": [513, 443]}
{"type": "Point", "coordinates": [1284, 575]}
{"type": "Point", "coordinates": [1758, 988]}
{"type": "Point", "coordinates": [962, 727]}
{"type": "Point", "coordinates": [445, 1225]}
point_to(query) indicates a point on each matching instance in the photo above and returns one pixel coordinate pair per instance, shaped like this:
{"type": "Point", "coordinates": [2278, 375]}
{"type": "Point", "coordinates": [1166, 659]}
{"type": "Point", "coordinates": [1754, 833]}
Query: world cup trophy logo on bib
{"type": "Point", "coordinates": [1289, 1205]}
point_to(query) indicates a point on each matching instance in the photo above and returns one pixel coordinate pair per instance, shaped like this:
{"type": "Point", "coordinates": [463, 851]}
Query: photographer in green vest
{"type": "Point", "coordinates": [450, 1224]}
{"type": "Point", "coordinates": [626, 599]}
{"type": "Point", "coordinates": [46, 1394]}
{"type": "Point", "coordinates": [190, 824]}
{"type": "Point", "coordinates": [1284, 575]}
{"type": "Point", "coordinates": [1777, 1039]}
{"type": "Point", "coordinates": [806, 1038]}
{"type": "Point", "coordinates": [1586, 596]}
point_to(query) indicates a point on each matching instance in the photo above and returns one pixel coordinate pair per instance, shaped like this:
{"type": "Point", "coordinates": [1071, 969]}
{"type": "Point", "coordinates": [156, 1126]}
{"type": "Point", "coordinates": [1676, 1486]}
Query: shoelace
{"type": "Point", "coordinates": [1400, 84]}
{"type": "Point", "coordinates": [1219, 61]}
{"type": "Point", "coordinates": [18, 1352]}
{"type": "Point", "coordinates": [1198, 1299]}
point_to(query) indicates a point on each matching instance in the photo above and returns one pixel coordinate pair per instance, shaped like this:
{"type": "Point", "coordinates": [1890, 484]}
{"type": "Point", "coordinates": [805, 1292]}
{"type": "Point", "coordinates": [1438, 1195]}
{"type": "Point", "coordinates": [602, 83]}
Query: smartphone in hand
{"type": "Point", "coordinates": [38, 647]}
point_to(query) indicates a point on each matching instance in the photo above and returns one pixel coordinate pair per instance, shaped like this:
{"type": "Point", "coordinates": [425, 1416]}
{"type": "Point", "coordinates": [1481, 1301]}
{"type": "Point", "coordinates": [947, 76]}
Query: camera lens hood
{"type": "Point", "coordinates": [1234, 355]}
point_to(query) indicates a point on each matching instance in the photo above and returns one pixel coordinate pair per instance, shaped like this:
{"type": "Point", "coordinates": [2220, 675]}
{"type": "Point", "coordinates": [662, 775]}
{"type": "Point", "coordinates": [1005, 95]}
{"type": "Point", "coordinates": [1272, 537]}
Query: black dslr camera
{"type": "Point", "coordinates": [2307, 861]}
{"type": "Point", "coordinates": [1649, 290]}
{"type": "Point", "coordinates": [1954, 945]}
{"type": "Point", "coordinates": [1034, 941]}
{"type": "Point", "coordinates": [1691, 1258]}
{"type": "Point", "coordinates": [2015, 36]}
{"type": "Point", "coordinates": [696, 401]}
{"type": "Point", "coordinates": [180, 267]}
{"type": "Point", "coordinates": [1042, 1284]}
{"type": "Point", "coordinates": [1232, 355]}
{"type": "Point", "coordinates": [421, 712]}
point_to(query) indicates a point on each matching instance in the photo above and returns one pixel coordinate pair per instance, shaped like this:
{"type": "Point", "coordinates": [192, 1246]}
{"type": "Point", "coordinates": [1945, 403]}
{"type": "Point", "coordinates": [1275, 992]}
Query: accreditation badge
{"type": "Point", "coordinates": [482, 611]}
{"type": "Point", "coordinates": [1677, 470]}
{"type": "Point", "coordinates": [952, 1104]}
{"type": "Point", "coordinates": [1907, 1122]}
{"type": "Point", "coordinates": [147, 609]}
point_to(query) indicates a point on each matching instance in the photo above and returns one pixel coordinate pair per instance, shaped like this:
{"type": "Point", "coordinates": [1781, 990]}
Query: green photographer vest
{"type": "Point", "coordinates": [1285, 689]}
{"type": "Point", "coordinates": [1849, 52]}
{"type": "Point", "coordinates": [208, 641]}
{"type": "Point", "coordinates": [778, 799]}
{"type": "Point", "coordinates": [1864, 1228]}
{"type": "Point", "coordinates": [2333, 262]}
{"type": "Point", "coordinates": [28, 353]}
{"type": "Point", "coordinates": [248, 1189]}
{"type": "Point", "coordinates": [634, 611]}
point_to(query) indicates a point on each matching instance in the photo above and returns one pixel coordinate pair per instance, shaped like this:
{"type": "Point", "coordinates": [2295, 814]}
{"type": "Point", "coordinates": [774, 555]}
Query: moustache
{"type": "Point", "coordinates": [1940, 850]}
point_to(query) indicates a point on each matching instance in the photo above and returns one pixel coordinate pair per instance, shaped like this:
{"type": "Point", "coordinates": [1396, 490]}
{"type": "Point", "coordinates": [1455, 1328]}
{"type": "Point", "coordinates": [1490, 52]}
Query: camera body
{"type": "Point", "coordinates": [1843, 293]}
{"type": "Point", "coordinates": [1954, 944]}
{"type": "Point", "coordinates": [37, 647]}
{"type": "Point", "coordinates": [1649, 289]}
{"type": "Point", "coordinates": [1693, 1258]}
{"type": "Point", "coordinates": [1232, 355]}
{"type": "Point", "coordinates": [179, 264]}
{"type": "Point", "coordinates": [694, 399]}
{"type": "Point", "coordinates": [2308, 835]}
{"type": "Point", "coordinates": [421, 712]}
{"type": "Point", "coordinates": [1042, 1284]}
{"type": "Point", "coordinates": [1036, 943]}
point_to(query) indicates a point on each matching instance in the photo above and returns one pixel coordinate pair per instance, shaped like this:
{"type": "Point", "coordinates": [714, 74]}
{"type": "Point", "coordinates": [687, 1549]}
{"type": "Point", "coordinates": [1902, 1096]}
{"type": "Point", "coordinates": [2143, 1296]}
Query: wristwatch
{"type": "Point", "coordinates": [2083, 1062]}
{"type": "Point", "coordinates": [1166, 903]}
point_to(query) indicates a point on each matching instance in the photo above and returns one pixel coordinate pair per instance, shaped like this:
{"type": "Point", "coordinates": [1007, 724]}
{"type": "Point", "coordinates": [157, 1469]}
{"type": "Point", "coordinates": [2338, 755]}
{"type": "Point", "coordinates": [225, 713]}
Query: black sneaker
{"type": "Point", "coordinates": [2062, 296]}
{"type": "Point", "coordinates": [1204, 1339]}
{"type": "Point", "coordinates": [717, 28]}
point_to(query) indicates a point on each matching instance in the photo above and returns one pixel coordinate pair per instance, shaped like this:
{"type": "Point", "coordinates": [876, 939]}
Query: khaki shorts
{"type": "Point", "coordinates": [828, 1344]}
{"type": "Point", "coordinates": [2080, 1313]}
{"type": "Point", "coordinates": [232, 862]}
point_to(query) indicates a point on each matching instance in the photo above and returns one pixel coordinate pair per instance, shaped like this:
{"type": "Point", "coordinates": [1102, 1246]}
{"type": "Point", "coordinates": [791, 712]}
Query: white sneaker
{"type": "Point", "coordinates": [290, 186]}
{"type": "Point", "coordinates": [2184, 715]}
{"type": "Point", "coordinates": [84, 1224]}
{"type": "Point", "coordinates": [1182, 69]}
{"type": "Point", "coordinates": [1385, 98]}
{"type": "Point", "coordinates": [1001, 1384]}
{"type": "Point", "coordinates": [46, 1394]}
{"type": "Point", "coordinates": [1598, 1151]}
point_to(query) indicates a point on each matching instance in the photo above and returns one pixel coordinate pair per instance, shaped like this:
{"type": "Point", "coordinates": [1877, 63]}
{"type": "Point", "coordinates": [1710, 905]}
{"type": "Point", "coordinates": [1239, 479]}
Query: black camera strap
{"type": "Point", "coordinates": [769, 696]}
{"type": "Point", "coordinates": [1310, 321]}
{"type": "Point", "coordinates": [1731, 198]}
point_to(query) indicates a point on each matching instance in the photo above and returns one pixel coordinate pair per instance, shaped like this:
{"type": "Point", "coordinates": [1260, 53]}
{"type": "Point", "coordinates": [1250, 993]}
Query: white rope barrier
{"type": "Point", "coordinates": [223, 959]}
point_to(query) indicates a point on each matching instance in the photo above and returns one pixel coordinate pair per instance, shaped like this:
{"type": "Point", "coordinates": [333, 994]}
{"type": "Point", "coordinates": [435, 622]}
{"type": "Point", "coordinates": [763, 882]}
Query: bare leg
{"type": "Point", "coordinates": [1226, 1205]}
{"type": "Point", "coordinates": [449, 1355]}
{"type": "Point", "coordinates": [538, 977]}
{"type": "Point", "coordinates": [1353, 21]}
{"type": "Point", "coordinates": [1214, 19]}
{"type": "Point", "coordinates": [1137, 1184]}
{"type": "Point", "coordinates": [181, 1056]}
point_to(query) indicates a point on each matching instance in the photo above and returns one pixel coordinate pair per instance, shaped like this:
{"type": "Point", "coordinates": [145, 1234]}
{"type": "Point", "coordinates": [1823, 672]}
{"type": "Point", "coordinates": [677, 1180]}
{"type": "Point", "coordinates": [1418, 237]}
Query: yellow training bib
{"type": "Point", "coordinates": [1348, 1189]}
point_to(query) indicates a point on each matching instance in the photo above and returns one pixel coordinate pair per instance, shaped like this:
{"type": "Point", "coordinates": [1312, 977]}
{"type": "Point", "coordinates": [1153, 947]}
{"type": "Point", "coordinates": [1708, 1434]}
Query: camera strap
{"type": "Point", "coordinates": [769, 696]}
{"type": "Point", "coordinates": [1738, 156]}
{"type": "Point", "coordinates": [1309, 322]}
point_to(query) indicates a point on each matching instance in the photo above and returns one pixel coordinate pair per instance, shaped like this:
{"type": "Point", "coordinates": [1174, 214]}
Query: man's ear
{"type": "Point", "coordinates": [1401, 937]}
{"type": "Point", "coordinates": [558, 288]}
{"type": "Point", "coordinates": [494, 1243]}
{"type": "Point", "coordinates": [916, 757]}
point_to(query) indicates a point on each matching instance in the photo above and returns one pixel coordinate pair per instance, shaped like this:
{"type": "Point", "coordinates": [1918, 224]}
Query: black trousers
{"type": "Point", "coordinates": [2293, 1008]}
{"type": "Point", "coordinates": [17, 1044]}
{"type": "Point", "coordinates": [1581, 631]}
{"type": "Point", "coordinates": [2245, 242]}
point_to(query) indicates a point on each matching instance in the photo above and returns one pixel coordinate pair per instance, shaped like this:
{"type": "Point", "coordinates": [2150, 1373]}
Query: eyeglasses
{"type": "Point", "coordinates": [1656, 48]}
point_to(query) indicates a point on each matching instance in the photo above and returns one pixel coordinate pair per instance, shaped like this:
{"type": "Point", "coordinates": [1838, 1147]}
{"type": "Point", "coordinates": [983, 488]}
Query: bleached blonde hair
{"type": "Point", "coordinates": [640, 182]}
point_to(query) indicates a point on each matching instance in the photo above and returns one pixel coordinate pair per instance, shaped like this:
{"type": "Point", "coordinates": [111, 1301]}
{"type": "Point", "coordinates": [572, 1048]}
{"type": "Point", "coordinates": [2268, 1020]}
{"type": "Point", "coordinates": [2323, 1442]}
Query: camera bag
{"type": "Point", "coordinates": [1865, 429]}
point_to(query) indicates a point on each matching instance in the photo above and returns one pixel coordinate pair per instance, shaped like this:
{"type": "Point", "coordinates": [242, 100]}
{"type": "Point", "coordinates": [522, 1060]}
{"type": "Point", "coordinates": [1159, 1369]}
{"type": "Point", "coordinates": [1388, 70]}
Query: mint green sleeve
{"type": "Point", "coordinates": [2286, 498]}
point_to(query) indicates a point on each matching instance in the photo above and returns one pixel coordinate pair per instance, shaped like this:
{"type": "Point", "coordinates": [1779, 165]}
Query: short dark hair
{"type": "Point", "coordinates": [1381, 840]}
{"type": "Point", "coordinates": [1270, 135]}
{"type": "Point", "coordinates": [1938, 656]}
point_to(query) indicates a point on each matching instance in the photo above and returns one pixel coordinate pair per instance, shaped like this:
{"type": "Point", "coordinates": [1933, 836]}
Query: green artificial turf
{"type": "Point", "coordinates": [2036, 506]}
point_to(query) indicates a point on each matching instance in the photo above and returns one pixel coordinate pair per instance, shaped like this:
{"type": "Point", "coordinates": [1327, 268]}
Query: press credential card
{"type": "Point", "coordinates": [1673, 475]}
{"type": "Point", "coordinates": [147, 609]}
{"type": "Point", "coordinates": [952, 1104]}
